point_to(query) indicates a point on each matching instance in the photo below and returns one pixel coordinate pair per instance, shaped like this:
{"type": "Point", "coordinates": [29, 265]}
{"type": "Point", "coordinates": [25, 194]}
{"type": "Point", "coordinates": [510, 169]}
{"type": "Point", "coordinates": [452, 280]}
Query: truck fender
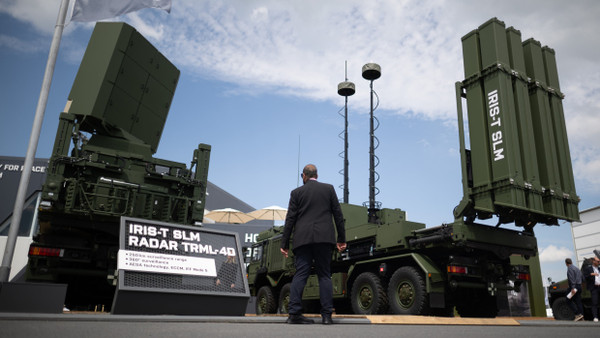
{"type": "Point", "coordinates": [431, 271]}
{"type": "Point", "coordinates": [272, 281]}
{"type": "Point", "coordinates": [262, 278]}
{"type": "Point", "coordinates": [434, 280]}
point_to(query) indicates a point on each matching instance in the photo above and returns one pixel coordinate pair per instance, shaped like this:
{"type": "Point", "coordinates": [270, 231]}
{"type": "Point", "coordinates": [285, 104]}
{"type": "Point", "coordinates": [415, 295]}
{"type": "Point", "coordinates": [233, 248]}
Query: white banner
{"type": "Point", "coordinates": [94, 10]}
{"type": "Point", "coordinates": [161, 263]}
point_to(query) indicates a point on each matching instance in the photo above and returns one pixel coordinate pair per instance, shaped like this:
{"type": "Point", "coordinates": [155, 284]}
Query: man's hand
{"type": "Point", "coordinates": [341, 246]}
{"type": "Point", "coordinates": [284, 252]}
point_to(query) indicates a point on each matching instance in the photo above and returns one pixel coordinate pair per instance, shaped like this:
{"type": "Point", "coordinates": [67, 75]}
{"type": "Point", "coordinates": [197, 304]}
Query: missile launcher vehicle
{"type": "Point", "coordinates": [517, 170]}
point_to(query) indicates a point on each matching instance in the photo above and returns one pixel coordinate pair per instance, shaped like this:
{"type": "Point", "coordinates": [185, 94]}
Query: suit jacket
{"type": "Point", "coordinates": [574, 276]}
{"type": "Point", "coordinates": [589, 279]}
{"type": "Point", "coordinates": [311, 213]}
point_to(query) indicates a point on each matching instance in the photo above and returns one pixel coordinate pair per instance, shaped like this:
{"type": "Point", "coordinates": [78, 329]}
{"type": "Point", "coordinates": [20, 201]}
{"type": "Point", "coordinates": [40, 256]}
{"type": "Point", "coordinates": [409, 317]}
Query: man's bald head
{"type": "Point", "coordinates": [310, 171]}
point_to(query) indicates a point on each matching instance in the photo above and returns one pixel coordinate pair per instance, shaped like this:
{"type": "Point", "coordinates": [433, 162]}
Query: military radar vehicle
{"type": "Point", "coordinates": [102, 166]}
{"type": "Point", "coordinates": [518, 170]}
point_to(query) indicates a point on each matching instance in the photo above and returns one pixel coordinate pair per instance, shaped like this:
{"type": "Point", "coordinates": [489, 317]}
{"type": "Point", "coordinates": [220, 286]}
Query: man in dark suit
{"type": "Point", "coordinates": [591, 273]}
{"type": "Point", "coordinates": [312, 210]}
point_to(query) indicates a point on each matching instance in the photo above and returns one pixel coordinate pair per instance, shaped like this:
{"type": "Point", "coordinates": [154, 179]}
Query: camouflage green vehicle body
{"type": "Point", "coordinates": [102, 167]}
{"type": "Point", "coordinates": [400, 267]}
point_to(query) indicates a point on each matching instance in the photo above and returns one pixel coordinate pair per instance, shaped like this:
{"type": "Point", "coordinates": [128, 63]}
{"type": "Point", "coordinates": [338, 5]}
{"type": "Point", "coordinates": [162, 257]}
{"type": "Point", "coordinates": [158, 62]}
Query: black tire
{"type": "Point", "coordinates": [561, 309]}
{"type": "Point", "coordinates": [265, 302]}
{"type": "Point", "coordinates": [477, 304]}
{"type": "Point", "coordinates": [407, 294]}
{"type": "Point", "coordinates": [368, 295]}
{"type": "Point", "coordinates": [284, 298]}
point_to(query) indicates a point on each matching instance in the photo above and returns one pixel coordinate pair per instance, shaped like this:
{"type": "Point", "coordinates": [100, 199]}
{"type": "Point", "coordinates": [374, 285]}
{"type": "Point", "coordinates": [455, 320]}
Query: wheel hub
{"type": "Point", "coordinates": [365, 297]}
{"type": "Point", "coordinates": [406, 294]}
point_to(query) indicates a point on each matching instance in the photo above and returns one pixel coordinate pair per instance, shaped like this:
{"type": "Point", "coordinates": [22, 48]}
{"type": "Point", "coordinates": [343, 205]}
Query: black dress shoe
{"type": "Point", "coordinates": [299, 319]}
{"type": "Point", "coordinates": [327, 320]}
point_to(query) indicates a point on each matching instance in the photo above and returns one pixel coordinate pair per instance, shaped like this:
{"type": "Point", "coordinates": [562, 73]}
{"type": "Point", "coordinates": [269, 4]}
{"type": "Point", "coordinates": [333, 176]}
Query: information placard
{"type": "Point", "coordinates": [159, 263]}
{"type": "Point", "coordinates": [158, 259]}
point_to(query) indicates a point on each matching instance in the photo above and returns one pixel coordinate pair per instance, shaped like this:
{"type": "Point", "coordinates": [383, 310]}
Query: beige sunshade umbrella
{"type": "Point", "coordinates": [229, 215]}
{"type": "Point", "coordinates": [272, 213]}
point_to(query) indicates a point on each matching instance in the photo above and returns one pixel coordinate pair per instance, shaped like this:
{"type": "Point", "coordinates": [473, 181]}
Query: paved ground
{"type": "Point", "coordinates": [107, 325]}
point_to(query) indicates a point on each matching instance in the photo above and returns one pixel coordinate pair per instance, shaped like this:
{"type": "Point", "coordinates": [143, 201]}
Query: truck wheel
{"type": "Point", "coordinates": [368, 295]}
{"type": "Point", "coordinates": [265, 302]}
{"type": "Point", "coordinates": [284, 298]}
{"type": "Point", "coordinates": [406, 292]}
{"type": "Point", "coordinates": [561, 309]}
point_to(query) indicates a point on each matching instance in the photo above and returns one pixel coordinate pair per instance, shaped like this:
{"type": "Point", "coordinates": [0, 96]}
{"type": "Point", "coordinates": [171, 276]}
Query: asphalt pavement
{"type": "Point", "coordinates": [108, 325]}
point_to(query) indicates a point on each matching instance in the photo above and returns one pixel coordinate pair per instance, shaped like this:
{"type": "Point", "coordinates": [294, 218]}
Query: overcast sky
{"type": "Point", "coordinates": [259, 82]}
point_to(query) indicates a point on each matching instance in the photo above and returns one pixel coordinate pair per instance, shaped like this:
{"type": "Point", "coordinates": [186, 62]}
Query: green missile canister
{"type": "Point", "coordinates": [520, 83]}
{"type": "Point", "coordinates": [518, 164]}
{"type": "Point", "coordinates": [567, 181]}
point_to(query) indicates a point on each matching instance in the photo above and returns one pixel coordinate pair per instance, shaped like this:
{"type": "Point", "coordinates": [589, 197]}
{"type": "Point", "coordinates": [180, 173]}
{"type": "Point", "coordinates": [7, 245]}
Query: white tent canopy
{"type": "Point", "coordinates": [228, 215]}
{"type": "Point", "coordinates": [271, 213]}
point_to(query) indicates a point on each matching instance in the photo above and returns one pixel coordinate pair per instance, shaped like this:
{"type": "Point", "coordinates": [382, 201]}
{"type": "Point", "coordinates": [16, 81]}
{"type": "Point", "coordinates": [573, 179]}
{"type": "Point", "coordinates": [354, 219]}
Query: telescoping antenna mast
{"type": "Point", "coordinates": [371, 72]}
{"type": "Point", "coordinates": [345, 89]}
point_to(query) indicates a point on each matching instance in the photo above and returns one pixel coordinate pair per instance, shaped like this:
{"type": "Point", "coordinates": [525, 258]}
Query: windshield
{"type": "Point", "coordinates": [257, 252]}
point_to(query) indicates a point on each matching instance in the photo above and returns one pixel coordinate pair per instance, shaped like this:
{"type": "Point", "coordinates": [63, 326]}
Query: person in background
{"type": "Point", "coordinates": [591, 273]}
{"type": "Point", "coordinates": [575, 279]}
